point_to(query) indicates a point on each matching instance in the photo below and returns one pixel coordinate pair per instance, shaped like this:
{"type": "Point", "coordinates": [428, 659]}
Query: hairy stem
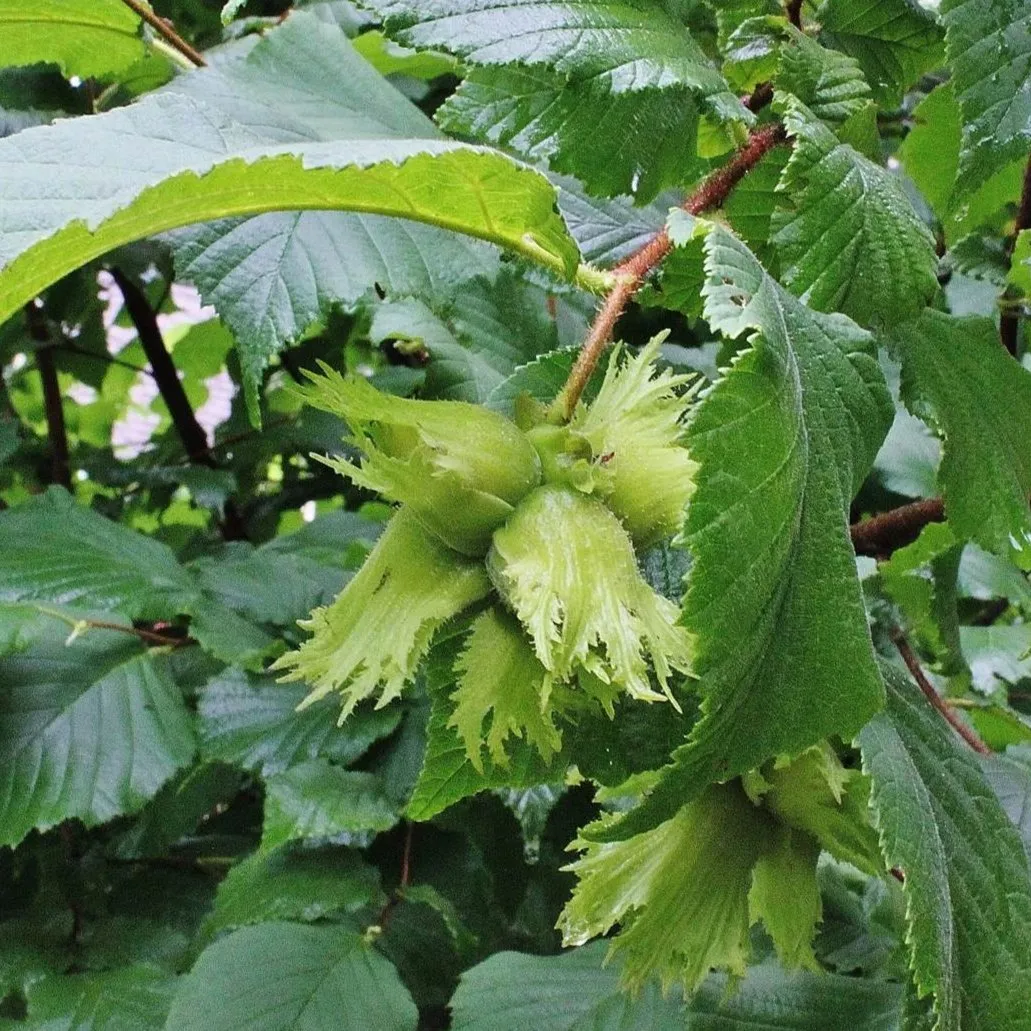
{"type": "Point", "coordinates": [165, 30]}
{"type": "Point", "coordinates": [881, 535]}
{"type": "Point", "coordinates": [913, 665]}
{"type": "Point", "coordinates": [191, 433]}
{"type": "Point", "coordinates": [631, 273]}
{"type": "Point", "coordinates": [1009, 320]}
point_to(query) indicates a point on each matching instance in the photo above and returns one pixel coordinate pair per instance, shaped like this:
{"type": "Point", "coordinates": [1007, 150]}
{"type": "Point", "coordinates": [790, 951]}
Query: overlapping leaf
{"type": "Point", "coordinates": [784, 439]}
{"type": "Point", "coordinates": [967, 880]}
{"type": "Point", "coordinates": [988, 46]}
{"type": "Point", "coordinates": [955, 372]}
{"type": "Point", "coordinates": [90, 730]}
{"type": "Point", "coordinates": [852, 241]}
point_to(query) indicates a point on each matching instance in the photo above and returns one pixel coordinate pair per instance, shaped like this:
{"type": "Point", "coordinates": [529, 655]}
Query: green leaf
{"type": "Point", "coordinates": [1010, 778]}
{"type": "Point", "coordinates": [895, 41]}
{"type": "Point", "coordinates": [989, 53]}
{"type": "Point", "coordinates": [87, 38]}
{"type": "Point", "coordinates": [630, 143]}
{"type": "Point", "coordinates": [852, 241]}
{"type": "Point", "coordinates": [967, 882]}
{"type": "Point", "coordinates": [318, 801]}
{"type": "Point", "coordinates": [571, 992]}
{"type": "Point", "coordinates": [133, 998]}
{"type": "Point", "coordinates": [178, 161]}
{"type": "Point", "coordinates": [998, 655]}
{"type": "Point", "coordinates": [305, 885]}
{"type": "Point", "coordinates": [1020, 270]}
{"type": "Point", "coordinates": [955, 371]}
{"type": "Point", "coordinates": [289, 977]}
{"type": "Point", "coordinates": [90, 729]}
{"type": "Point", "coordinates": [253, 722]}
{"type": "Point", "coordinates": [620, 46]}
{"type": "Point", "coordinates": [111, 567]}
{"type": "Point", "coordinates": [784, 439]}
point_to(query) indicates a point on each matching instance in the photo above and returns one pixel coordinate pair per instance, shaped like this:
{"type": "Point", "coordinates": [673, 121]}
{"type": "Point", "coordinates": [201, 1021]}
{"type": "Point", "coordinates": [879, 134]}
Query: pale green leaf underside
{"type": "Point", "coordinates": [291, 977]}
{"type": "Point", "coordinates": [989, 53]}
{"type": "Point", "coordinates": [784, 439]}
{"type": "Point", "coordinates": [966, 873]}
{"type": "Point", "coordinates": [82, 37]}
{"type": "Point", "coordinates": [954, 371]}
{"type": "Point", "coordinates": [88, 730]}
{"type": "Point", "coordinates": [171, 161]}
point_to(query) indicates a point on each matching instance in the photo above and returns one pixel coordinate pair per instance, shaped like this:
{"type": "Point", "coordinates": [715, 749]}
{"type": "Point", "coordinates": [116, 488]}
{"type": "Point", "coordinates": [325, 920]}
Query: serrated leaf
{"type": "Point", "coordinates": [315, 800]}
{"type": "Point", "coordinates": [212, 167]}
{"type": "Point", "coordinates": [852, 241]}
{"type": "Point", "coordinates": [980, 398]}
{"type": "Point", "coordinates": [291, 977]}
{"type": "Point", "coordinates": [111, 567]}
{"type": "Point", "coordinates": [989, 53]}
{"type": "Point", "coordinates": [82, 37]}
{"type": "Point", "coordinates": [895, 41]}
{"type": "Point", "coordinates": [967, 881]}
{"type": "Point", "coordinates": [253, 722]}
{"type": "Point", "coordinates": [133, 998]}
{"type": "Point", "coordinates": [305, 885]}
{"type": "Point", "coordinates": [783, 440]}
{"type": "Point", "coordinates": [622, 46]}
{"type": "Point", "coordinates": [629, 143]}
{"type": "Point", "coordinates": [88, 730]}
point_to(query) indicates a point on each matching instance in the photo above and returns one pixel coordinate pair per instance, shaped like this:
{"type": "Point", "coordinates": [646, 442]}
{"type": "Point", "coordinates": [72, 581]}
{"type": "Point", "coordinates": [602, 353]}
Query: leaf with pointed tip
{"type": "Point", "coordinates": [967, 881]}
{"type": "Point", "coordinates": [784, 440]}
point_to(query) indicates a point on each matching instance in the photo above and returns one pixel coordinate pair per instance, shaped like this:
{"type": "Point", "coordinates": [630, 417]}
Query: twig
{"type": "Point", "coordinates": [190, 432]}
{"type": "Point", "coordinates": [759, 98]}
{"type": "Point", "coordinates": [406, 874]}
{"type": "Point", "coordinates": [1009, 320]}
{"type": "Point", "coordinates": [793, 9]}
{"type": "Point", "coordinates": [53, 405]}
{"type": "Point", "coordinates": [102, 357]}
{"type": "Point", "coordinates": [164, 29]}
{"type": "Point", "coordinates": [883, 534]}
{"type": "Point", "coordinates": [913, 665]}
{"type": "Point", "coordinates": [631, 273]}
{"type": "Point", "coordinates": [149, 636]}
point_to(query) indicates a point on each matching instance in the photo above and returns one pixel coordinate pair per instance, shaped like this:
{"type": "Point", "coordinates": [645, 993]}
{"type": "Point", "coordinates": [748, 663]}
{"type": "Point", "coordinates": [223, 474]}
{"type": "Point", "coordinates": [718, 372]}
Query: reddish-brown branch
{"type": "Point", "coordinates": [164, 29]}
{"type": "Point", "coordinates": [1009, 320]}
{"type": "Point", "coordinates": [147, 636]}
{"type": "Point", "coordinates": [913, 665]}
{"type": "Point", "coordinates": [793, 9]}
{"type": "Point", "coordinates": [883, 534]}
{"type": "Point", "coordinates": [631, 273]}
{"type": "Point", "coordinates": [53, 404]}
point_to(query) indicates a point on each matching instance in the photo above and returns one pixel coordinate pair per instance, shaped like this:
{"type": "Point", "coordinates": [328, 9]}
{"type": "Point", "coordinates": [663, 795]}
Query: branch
{"type": "Point", "coordinates": [190, 432]}
{"type": "Point", "coordinates": [883, 534]}
{"type": "Point", "coordinates": [1009, 320]}
{"type": "Point", "coordinates": [53, 405]}
{"type": "Point", "coordinates": [164, 29]}
{"type": "Point", "coordinates": [913, 665]}
{"type": "Point", "coordinates": [631, 273]}
{"type": "Point", "coordinates": [793, 9]}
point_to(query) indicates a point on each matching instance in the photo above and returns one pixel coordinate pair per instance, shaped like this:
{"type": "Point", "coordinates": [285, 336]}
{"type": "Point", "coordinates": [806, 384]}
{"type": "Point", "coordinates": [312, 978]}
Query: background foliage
{"type": "Point", "coordinates": [431, 195]}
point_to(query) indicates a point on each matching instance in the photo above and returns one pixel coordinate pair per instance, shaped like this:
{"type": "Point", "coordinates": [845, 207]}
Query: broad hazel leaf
{"type": "Point", "coordinates": [88, 730]}
{"type": "Point", "coordinates": [967, 881]}
{"type": "Point", "coordinates": [956, 374]}
{"type": "Point", "coordinates": [87, 38]}
{"type": "Point", "coordinates": [895, 41]}
{"type": "Point", "coordinates": [851, 241]}
{"type": "Point", "coordinates": [783, 441]}
{"type": "Point", "coordinates": [292, 977]}
{"type": "Point", "coordinates": [989, 53]}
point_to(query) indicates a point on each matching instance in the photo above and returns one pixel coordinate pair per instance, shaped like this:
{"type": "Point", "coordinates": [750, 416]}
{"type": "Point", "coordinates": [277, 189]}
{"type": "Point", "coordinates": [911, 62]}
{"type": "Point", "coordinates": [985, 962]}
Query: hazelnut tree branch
{"type": "Point", "coordinates": [165, 30]}
{"type": "Point", "coordinates": [881, 535]}
{"type": "Point", "coordinates": [53, 405]}
{"type": "Point", "coordinates": [630, 274]}
{"type": "Point", "coordinates": [1009, 320]}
